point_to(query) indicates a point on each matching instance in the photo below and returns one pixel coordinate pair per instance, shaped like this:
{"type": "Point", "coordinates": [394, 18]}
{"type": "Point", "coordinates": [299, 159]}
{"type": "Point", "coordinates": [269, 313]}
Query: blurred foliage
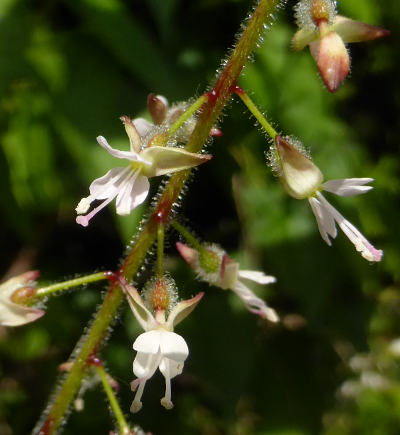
{"type": "Point", "coordinates": [69, 69]}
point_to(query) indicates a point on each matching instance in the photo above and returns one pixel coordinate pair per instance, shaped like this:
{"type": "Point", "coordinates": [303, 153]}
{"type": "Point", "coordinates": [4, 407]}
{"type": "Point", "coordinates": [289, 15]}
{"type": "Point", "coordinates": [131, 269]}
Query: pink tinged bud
{"type": "Point", "coordinates": [216, 132]}
{"type": "Point", "coordinates": [157, 107]}
{"type": "Point", "coordinates": [332, 58]}
{"type": "Point", "coordinates": [355, 31]}
{"type": "Point", "coordinates": [299, 176]}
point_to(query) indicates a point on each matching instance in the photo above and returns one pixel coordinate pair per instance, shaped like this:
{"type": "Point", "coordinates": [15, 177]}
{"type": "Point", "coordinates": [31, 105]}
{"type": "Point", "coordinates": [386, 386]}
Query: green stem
{"type": "Point", "coordinates": [160, 250]}
{"type": "Point", "coordinates": [187, 114]}
{"type": "Point", "coordinates": [187, 235]}
{"type": "Point", "coordinates": [256, 112]}
{"type": "Point", "coordinates": [217, 99]}
{"type": "Point", "coordinates": [123, 426]}
{"type": "Point", "coordinates": [43, 292]}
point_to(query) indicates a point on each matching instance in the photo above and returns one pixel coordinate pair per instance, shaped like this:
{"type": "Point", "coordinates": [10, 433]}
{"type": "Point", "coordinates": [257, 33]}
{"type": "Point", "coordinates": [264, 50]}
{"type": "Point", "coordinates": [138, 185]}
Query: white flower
{"type": "Point", "coordinates": [302, 179]}
{"type": "Point", "coordinates": [130, 185]}
{"type": "Point", "coordinates": [11, 312]}
{"type": "Point", "coordinates": [326, 33]}
{"type": "Point", "coordinates": [158, 346]}
{"type": "Point", "coordinates": [214, 266]}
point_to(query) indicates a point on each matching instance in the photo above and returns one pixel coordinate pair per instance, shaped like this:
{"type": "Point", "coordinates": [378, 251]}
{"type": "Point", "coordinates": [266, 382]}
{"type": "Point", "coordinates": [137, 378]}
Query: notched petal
{"type": "Point", "coordinates": [256, 276]}
{"type": "Point", "coordinates": [348, 186]}
{"type": "Point", "coordinates": [148, 342]}
{"type": "Point", "coordinates": [173, 346]}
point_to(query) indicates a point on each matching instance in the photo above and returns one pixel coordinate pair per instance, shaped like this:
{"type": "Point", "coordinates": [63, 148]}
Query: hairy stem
{"type": "Point", "coordinates": [43, 292]}
{"type": "Point", "coordinates": [256, 112]}
{"type": "Point", "coordinates": [160, 250]}
{"type": "Point", "coordinates": [212, 109]}
{"type": "Point", "coordinates": [119, 416]}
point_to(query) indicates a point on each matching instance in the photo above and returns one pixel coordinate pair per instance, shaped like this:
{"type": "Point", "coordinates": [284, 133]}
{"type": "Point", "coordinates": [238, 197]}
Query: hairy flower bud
{"type": "Point", "coordinates": [14, 293]}
{"type": "Point", "coordinates": [160, 293]}
{"type": "Point", "coordinates": [213, 265]}
{"type": "Point", "coordinates": [303, 180]}
{"type": "Point", "coordinates": [299, 176]}
{"type": "Point", "coordinates": [157, 106]}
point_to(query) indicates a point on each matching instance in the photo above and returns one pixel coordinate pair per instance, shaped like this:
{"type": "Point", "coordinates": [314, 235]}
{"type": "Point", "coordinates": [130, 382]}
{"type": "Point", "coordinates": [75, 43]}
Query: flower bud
{"type": "Point", "coordinates": [157, 106]}
{"type": "Point", "coordinates": [332, 58]}
{"type": "Point", "coordinates": [160, 293]}
{"type": "Point", "coordinates": [298, 174]}
{"type": "Point", "coordinates": [23, 294]}
{"type": "Point", "coordinates": [14, 294]}
{"type": "Point", "coordinates": [208, 262]}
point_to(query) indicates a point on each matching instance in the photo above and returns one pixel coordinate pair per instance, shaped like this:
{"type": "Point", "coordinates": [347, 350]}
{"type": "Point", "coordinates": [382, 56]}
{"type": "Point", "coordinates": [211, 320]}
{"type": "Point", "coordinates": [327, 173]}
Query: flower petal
{"type": "Point", "coordinates": [148, 342]}
{"type": "Point", "coordinates": [257, 276]}
{"type": "Point", "coordinates": [145, 364]}
{"type": "Point", "coordinates": [109, 184]}
{"type": "Point", "coordinates": [166, 160]}
{"type": "Point", "coordinates": [325, 221]}
{"type": "Point", "coordinates": [142, 126]}
{"type": "Point", "coordinates": [173, 346]}
{"type": "Point", "coordinates": [12, 314]}
{"type": "Point", "coordinates": [128, 155]}
{"type": "Point", "coordinates": [106, 187]}
{"type": "Point", "coordinates": [132, 194]}
{"type": "Point", "coordinates": [182, 310]}
{"type": "Point", "coordinates": [254, 304]}
{"type": "Point", "coordinates": [355, 31]}
{"type": "Point", "coordinates": [170, 368]}
{"type": "Point", "coordinates": [362, 245]}
{"type": "Point", "coordinates": [348, 186]}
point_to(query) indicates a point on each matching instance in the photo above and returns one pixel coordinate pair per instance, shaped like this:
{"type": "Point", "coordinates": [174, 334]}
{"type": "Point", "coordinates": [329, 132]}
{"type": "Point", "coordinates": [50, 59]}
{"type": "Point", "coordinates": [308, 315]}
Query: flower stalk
{"type": "Point", "coordinates": [122, 424]}
{"type": "Point", "coordinates": [49, 290]}
{"type": "Point", "coordinates": [216, 101]}
{"type": "Point", "coordinates": [187, 235]}
{"type": "Point", "coordinates": [256, 112]}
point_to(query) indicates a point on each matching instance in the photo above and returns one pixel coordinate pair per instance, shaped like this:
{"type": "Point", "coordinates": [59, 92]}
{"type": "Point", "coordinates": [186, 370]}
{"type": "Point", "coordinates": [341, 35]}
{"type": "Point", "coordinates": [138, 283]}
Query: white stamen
{"type": "Point", "coordinates": [137, 404]}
